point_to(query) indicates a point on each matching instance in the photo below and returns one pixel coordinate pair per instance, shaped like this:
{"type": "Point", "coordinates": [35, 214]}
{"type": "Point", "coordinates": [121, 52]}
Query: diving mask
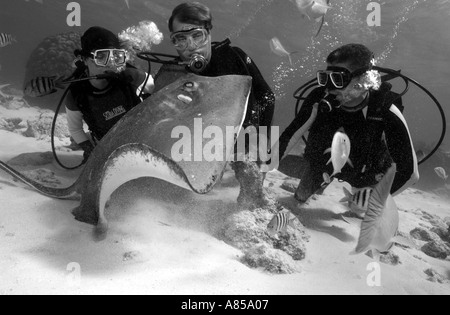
{"type": "Point", "coordinates": [102, 57]}
{"type": "Point", "coordinates": [337, 77]}
{"type": "Point", "coordinates": [194, 38]}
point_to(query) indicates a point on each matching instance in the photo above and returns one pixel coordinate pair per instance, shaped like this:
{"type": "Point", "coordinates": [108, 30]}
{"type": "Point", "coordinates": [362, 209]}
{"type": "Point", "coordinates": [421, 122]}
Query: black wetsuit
{"type": "Point", "coordinates": [379, 136]}
{"type": "Point", "coordinates": [227, 60]}
{"type": "Point", "coordinates": [102, 109]}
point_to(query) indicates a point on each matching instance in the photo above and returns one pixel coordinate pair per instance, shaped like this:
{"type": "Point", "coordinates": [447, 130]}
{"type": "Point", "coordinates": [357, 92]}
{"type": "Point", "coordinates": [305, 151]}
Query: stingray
{"type": "Point", "coordinates": [141, 144]}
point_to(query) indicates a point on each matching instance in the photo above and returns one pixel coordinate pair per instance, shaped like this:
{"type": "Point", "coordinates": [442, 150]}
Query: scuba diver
{"type": "Point", "coordinates": [190, 26]}
{"type": "Point", "coordinates": [351, 97]}
{"type": "Point", "coordinates": [102, 102]}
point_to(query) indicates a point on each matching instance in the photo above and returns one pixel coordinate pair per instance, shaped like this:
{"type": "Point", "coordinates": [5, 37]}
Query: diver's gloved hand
{"type": "Point", "coordinates": [87, 147]}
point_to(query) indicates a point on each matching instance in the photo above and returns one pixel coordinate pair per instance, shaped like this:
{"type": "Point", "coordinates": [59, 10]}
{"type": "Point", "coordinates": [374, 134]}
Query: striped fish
{"type": "Point", "coordinates": [6, 39]}
{"type": "Point", "coordinates": [280, 222]}
{"type": "Point", "coordinates": [42, 86]}
{"type": "Point", "coordinates": [359, 202]}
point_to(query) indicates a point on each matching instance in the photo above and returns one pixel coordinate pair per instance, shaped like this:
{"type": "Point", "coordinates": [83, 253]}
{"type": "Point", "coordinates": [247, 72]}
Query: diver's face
{"type": "Point", "coordinates": [94, 69]}
{"type": "Point", "coordinates": [354, 94]}
{"type": "Point", "coordinates": [186, 54]}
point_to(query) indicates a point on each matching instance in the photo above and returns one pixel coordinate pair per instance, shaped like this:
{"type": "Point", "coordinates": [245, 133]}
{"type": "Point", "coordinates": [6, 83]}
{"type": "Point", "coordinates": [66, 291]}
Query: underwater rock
{"type": "Point", "coordinates": [270, 260]}
{"type": "Point", "coordinates": [247, 231]}
{"type": "Point", "coordinates": [425, 235]}
{"type": "Point", "coordinates": [41, 127]}
{"type": "Point", "coordinates": [52, 57]}
{"type": "Point", "coordinates": [442, 232]}
{"type": "Point", "coordinates": [390, 259]}
{"type": "Point", "coordinates": [447, 221]}
{"type": "Point", "coordinates": [434, 276]}
{"type": "Point", "coordinates": [32, 159]}
{"type": "Point", "coordinates": [12, 124]}
{"type": "Point", "coordinates": [437, 250]}
{"type": "Point", "coordinates": [290, 185]}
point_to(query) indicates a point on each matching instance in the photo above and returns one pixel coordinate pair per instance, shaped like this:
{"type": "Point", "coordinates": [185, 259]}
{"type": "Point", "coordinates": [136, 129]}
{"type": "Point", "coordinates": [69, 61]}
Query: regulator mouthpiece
{"type": "Point", "coordinates": [198, 63]}
{"type": "Point", "coordinates": [328, 103]}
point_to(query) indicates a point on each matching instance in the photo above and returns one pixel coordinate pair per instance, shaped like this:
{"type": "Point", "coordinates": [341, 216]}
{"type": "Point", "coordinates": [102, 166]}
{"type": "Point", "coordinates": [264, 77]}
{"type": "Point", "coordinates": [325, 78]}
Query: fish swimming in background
{"type": "Point", "coordinates": [42, 86]}
{"type": "Point", "coordinates": [380, 225]}
{"type": "Point", "coordinates": [441, 173]}
{"type": "Point", "coordinates": [127, 2]}
{"type": "Point", "coordinates": [314, 9]}
{"type": "Point", "coordinates": [359, 202]}
{"type": "Point", "coordinates": [340, 152]}
{"type": "Point", "coordinates": [280, 222]}
{"type": "Point", "coordinates": [278, 49]}
{"type": "Point", "coordinates": [6, 39]}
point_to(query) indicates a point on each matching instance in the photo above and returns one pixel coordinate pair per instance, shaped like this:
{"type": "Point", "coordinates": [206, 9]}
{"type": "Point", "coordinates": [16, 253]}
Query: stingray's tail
{"type": "Point", "coordinates": [58, 193]}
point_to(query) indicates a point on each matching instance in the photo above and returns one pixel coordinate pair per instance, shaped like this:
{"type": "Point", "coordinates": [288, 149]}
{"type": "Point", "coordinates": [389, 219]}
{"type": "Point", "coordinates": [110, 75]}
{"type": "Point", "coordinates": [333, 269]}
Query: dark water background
{"type": "Point", "coordinates": [414, 36]}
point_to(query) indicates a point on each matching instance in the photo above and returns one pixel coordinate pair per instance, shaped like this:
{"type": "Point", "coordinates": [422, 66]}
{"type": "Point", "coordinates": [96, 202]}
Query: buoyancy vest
{"type": "Point", "coordinates": [375, 157]}
{"type": "Point", "coordinates": [103, 109]}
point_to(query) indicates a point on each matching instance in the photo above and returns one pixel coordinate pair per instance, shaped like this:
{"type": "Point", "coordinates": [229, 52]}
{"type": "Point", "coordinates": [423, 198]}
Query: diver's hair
{"type": "Point", "coordinates": [356, 56]}
{"type": "Point", "coordinates": [192, 13]}
{"type": "Point", "coordinates": [97, 38]}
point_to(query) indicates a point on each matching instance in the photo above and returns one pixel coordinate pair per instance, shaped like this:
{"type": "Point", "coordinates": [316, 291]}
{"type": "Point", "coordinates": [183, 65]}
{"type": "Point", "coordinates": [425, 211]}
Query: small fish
{"type": "Point", "coordinates": [340, 152]}
{"type": "Point", "coordinates": [42, 86]}
{"type": "Point", "coordinates": [380, 225]}
{"type": "Point", "coordinates": [6, 39]}
{"type": "Point", "coordinates": [127, 2]}
{"type": "Point", "coordinates": [314, 9]}
{"type": "Point", "coordinates": [358, 202]}
{"type": "Point", "coordinates": [278, 49]}
{"type": "Point", "coordinates": [280, 222]}
{"type": "Point", "coordinates": [441, 173]}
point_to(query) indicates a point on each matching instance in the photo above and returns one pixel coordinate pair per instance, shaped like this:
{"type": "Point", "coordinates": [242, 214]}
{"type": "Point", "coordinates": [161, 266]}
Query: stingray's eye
{"type": "Point", "coordinates": [189, 85]}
